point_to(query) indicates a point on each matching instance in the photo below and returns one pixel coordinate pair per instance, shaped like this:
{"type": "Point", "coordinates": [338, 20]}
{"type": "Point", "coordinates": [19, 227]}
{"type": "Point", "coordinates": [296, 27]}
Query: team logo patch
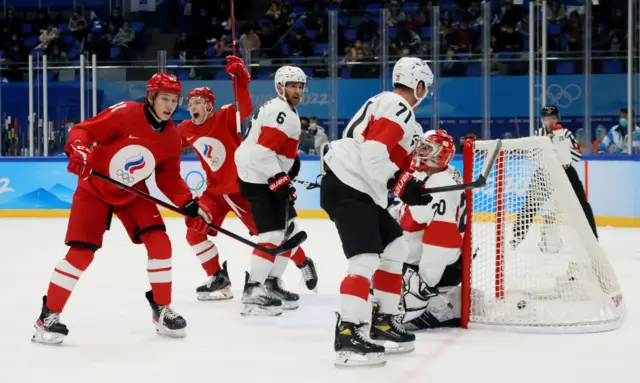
{"type": "Point", "coordinates": [132, 164]}
{"type": "Point", "coordinates": [212, 151]}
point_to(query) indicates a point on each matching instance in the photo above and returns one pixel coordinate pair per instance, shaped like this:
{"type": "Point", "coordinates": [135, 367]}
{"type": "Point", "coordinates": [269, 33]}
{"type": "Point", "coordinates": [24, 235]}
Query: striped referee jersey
{"type": "Point", "coordinates": [565, 144]}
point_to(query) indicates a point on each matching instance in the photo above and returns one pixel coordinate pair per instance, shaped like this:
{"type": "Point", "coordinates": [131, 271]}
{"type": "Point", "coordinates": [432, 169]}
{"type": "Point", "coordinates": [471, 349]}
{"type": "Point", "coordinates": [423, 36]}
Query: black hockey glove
{"type": "Point", "coordinates": [281, 185]}
{"type": "Point", "coordinates": [295, 168]}
{"type": "Point", "coordinates": [408, 189]}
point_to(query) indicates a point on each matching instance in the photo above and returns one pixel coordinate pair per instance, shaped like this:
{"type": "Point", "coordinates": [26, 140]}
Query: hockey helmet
{"type": "Point", "coordinates": [287, 74]}
{"type": "Point", "coordinates": [410, 71]}
{"type": "Point", "coordinates": [164, 82]}
{"type": "Point", "coordinates": [550, 110]}
{"type": "Point", "coordinates": [203, 92]}
{"type": "Point", "coordinates": [435, 150]}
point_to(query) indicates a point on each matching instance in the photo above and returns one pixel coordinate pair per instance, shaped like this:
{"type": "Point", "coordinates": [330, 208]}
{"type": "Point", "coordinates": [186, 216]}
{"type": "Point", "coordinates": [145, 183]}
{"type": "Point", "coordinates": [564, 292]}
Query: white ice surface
{"type": "Point", "coordinates": [112, 338]}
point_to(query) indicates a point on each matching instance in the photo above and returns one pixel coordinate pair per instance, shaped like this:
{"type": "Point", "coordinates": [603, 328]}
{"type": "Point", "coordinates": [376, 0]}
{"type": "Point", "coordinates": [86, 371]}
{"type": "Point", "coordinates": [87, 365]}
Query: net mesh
{"type": "Point", "coordinates": [537, 262]}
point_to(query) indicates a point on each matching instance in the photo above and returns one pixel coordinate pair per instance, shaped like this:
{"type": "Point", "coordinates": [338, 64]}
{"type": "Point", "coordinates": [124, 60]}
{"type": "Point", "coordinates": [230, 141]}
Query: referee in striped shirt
{"type": "Point", "coordinates": [566, 145]}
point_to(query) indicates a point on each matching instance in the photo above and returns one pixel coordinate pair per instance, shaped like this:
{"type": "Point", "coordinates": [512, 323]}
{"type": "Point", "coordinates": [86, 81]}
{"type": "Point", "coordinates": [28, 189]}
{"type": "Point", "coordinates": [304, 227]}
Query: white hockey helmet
{"type": "Point", "coordinates": [286, 74]}
{"type": "Point", "coordinates": [410, 71]}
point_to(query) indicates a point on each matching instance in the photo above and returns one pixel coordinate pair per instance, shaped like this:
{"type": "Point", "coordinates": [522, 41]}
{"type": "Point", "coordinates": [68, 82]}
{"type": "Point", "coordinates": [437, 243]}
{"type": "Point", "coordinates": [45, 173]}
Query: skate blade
{"type": "Point", "coordinates": [220, 295]}
{"type": "Point", "coordinates": [163, 331]}
{"type": "Point", "coordinates": [291, 305]}
{"type": "Point", "coordinates": [350, 359]}
{"type": "Point", "coordinates": [47, 338]}
{"type": "Point", "coordinates": [255, 310]}
{"type": "Point", "coordinates": [391, 347]}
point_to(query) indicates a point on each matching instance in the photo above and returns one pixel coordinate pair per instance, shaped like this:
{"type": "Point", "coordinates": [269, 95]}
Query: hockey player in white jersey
{"type": "Point", "coordinates": [434, 232]}
{"type": "Point", "coordinates": [265, 159]}
{"type": "Point", "coordinates": [371, 159]}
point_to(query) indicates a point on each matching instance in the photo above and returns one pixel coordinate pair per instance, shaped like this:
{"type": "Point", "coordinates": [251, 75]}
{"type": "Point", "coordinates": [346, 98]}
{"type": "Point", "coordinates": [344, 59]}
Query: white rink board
{"type": "Point", "coordinates": [112, 339]}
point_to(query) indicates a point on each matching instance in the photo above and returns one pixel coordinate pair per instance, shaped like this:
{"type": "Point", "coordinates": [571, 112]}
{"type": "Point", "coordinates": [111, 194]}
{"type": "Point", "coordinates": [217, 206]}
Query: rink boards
{"type": "Point", "coordinates": [41, 187]}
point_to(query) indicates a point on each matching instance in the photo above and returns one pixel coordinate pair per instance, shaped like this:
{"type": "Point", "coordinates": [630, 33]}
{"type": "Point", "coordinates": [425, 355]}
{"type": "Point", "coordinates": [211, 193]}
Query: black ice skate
{"type": "Point", "coordinates": [309, 273]}
{"type": "Point", "coordinates": [275, 287]}
{"type": "Point", "coordinates": [168, 323]}
{"type": "Point", "coordinates": [353, 347]}
{"type": "Point", "coordinates": [49, 330]}
{"type": "Point", "coordinates": [217, 287]}
{"type": "Point", "coordinates": [257, 301]}
{"type": "Point", "coordinates": [388, 330]}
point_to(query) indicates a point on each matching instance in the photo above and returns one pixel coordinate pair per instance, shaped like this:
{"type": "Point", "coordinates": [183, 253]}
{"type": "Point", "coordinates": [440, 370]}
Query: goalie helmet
{"type": "Point", "coordinates": [410, 71]}
{"type": "Point", "coordinates": [287, 74]}
{"type": "Point", "coordinates": [435, 150]}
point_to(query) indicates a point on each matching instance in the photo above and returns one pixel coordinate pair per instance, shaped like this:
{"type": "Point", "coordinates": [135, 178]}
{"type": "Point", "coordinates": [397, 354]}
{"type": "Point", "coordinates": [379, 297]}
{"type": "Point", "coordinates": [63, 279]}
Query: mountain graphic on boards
{"type": "Point", "coordinates": [62, 192]}
{"type": "Point", "coordinates": [38, 199]}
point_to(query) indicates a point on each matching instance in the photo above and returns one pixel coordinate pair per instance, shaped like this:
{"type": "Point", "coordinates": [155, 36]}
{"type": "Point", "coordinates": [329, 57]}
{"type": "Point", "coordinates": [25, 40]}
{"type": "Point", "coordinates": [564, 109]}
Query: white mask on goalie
{"type": "Point", "coordinates": [434, 151]}
{"type": "Point", "coordinates": [200, 110]}
{"type": "Point", "coordinates": [291, 83]}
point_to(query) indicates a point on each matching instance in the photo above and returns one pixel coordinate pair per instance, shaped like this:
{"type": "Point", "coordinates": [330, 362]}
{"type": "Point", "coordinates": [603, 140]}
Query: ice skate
{"type": "Point", "coordinates": [49, 330]}
{"type": "Point", "coordinates": [309, 274]}
{"type": "Point", "coordinates": [353, 347]}
{"type": "Point", "coordinates": [388, 331]}
{"type": "Point", "coordinates": [168, 323]}
{"type": "Point", "coordinates": [217, 287]}
{"type": "Point", "coordinates": [257, 301]}
{"type": "Point", "coordinates": [275, 287]}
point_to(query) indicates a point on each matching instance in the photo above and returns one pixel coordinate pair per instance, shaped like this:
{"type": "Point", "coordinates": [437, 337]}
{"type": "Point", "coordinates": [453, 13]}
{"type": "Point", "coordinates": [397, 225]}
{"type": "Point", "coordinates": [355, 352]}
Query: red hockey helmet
{"type": "Point", "coordinates": [435, 150]}
{"type": "Point", "coordinates": [203, 92]}
{"type": "Point", "coordinates": [164, 82]}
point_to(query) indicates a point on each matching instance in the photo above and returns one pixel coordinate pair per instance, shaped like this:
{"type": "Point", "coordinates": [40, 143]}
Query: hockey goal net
{"type": "Point", "coordinates": [530, 260]}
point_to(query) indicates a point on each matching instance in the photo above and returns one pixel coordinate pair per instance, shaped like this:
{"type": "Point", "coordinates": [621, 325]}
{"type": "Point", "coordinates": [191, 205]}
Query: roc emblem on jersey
{"type": "Point", "coordinates": [132, 164]}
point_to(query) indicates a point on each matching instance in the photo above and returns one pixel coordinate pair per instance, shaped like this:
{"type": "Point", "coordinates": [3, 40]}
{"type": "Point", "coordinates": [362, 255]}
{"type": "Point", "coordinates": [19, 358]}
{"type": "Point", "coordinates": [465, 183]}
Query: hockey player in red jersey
{"type": "Point", "coordinates": [434, 233]}
{"type": "Point", "coordinates": [214, 137]}
{"type": "Point", "coordinates": [128, 142]}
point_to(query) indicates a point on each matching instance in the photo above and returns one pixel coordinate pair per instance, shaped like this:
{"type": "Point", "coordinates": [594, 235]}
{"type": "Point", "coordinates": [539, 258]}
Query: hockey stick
{"type": "Point", "coordinates": [310, 185]}
{"type": "Point", "coordinates": [482, 178]}
{"type": "Point", "coordinates": [290, 244]}
{"type": "Point", "coordinates": [233, 52]}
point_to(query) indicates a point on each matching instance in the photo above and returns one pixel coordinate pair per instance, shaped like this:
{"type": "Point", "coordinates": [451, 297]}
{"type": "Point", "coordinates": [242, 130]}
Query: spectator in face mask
{"type": "Point", "coordinates": [613, 142]}
{"type": "Point", "coordinates": [601, 131]}
{"type": "Point", "coordinates": [319, 136]}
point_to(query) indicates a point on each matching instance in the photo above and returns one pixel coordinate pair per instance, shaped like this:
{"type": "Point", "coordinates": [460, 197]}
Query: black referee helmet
{"type": "Point", "coordinates": [550, 110]}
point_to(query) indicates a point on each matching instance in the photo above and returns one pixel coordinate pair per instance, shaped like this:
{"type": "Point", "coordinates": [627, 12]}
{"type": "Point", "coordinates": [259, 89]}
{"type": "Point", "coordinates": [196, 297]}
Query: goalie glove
{"type": "Point", "coordinates": [408, 189]}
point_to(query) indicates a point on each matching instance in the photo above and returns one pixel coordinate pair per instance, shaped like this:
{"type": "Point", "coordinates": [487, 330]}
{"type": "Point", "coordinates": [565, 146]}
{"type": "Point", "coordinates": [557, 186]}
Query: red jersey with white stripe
{"type": "Point", "coordinates": [129, 150]}
{"type": "Point", "coordinates": [379, 140]}
{"type": "Point", "coordinates": [271, 145]}
{"type": "Point", "coordinates": [434, 232]}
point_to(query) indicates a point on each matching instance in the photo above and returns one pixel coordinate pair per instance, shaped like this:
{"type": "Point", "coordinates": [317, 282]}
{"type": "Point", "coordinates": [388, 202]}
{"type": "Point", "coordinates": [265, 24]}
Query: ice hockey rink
{"type": "Point", "coordinates": [112, 338]}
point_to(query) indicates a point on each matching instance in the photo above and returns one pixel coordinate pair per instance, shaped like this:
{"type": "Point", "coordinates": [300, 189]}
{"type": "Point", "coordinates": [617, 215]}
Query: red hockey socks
{"type": "Point", "coordinates": [159, 265]}
{"type": "Point", "coordinates": [354, 295]}
{"type": "Point", "coordinates": [65, 276]}
{"type": "Point", "coordinates": [387, 288]}
{"type": "Point", "coordinates": [206, 252]}
{"type": "Point", "coordinates": [298, 256]}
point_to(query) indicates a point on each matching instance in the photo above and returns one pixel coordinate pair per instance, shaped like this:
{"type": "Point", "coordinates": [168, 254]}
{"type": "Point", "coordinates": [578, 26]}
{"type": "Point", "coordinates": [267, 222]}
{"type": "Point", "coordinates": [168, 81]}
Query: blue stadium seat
{"type": "Point", "coordinates": [51, 75]}
{"type": "Point", "coordinates": [372, 7]}
{"type": "Point", "coordinates": [31, 41]}
{"type": "Point", "coordinates": [63, 27]}
{"type": "Point", "coordinates": [343, 20]}
{"type": "Point", "coordinates": [321, 49]}
{"type": "Point", "coordinates": [308, 72]}
{"type": "Point", "coordinates": [97, 28]}
{"type": "Point", "coordinates": [73, 53]}
{"type": "Point", "coordinates": [410, 7]}
{"type": "Point", "coordinates": [68, 39]}
{"type": "Point", "coordinates": [350, 34]}
{"type": "Point", "coordinates": [310, 33]}
{"type": "Point", "coordinates": [182, 74]}
{"type": "Point", "coordinates": [554, 29]}
{"type": "Point", "coordinates": [137, 26]}
{"type": "Point", "coordinates": [26, 29]}
{"type": "Point", "coordinates": [222, 75]}
{"type": "Point", "coordinates": [296, 60]}
{"type": "Point", "coordinates": [263, 74]}
{"type": "Point", "coordinates": [612, 66]}
{"type": "Point", "coordinates": [210, 50]}
{"type": "Point", "coordinates": [285, 49]}
{"type": "Point", "coordinates": [474, 70]}
{"type": "Point", "coordinates": [565, 67]}
{"type": "Point", "coordinates": [174, 62]}
{"type": "Point", "coordinates": [298, 9]}
{"type": "Point", "coordinates": [217, 61]}
{"type": "Point", "coordinates": [393, 32]}
{"type": "Point", "coordinates": [114, 52]}
{"type": "Point", "coordinates": [345, 72]}
{"type": "Point", "coordinates": [427, 32]}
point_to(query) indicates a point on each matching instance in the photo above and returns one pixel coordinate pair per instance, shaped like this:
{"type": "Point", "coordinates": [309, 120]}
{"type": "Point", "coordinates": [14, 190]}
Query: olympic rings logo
{"type": "Point", "coordinates": [559, 96]}
{"type": "Point", "coordinates": [195, 184]}
{"type": "Point", "coordinates": [125, 177]}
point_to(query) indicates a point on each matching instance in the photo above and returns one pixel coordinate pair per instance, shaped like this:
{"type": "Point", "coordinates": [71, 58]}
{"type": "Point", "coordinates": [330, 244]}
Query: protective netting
{"type": "Point", "coordinates": [538, 266]}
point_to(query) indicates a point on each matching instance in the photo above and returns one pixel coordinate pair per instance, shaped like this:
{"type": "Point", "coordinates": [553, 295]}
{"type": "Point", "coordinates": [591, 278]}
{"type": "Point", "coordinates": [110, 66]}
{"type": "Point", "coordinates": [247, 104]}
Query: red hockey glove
{"type": "Point", "coordinates": [408, 189]}
{"type": "Point", "coordinates": [199, 216]}
{"type": "Point", "coordinates": [236, 68]}
{"type": "Point", "coordinates": [78, 153]}
{"type": "Point", "coordinates": [281, 185]}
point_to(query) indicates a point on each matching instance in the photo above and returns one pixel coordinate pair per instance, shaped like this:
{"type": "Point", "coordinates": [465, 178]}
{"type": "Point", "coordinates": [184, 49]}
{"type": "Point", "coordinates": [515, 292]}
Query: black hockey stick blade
{"type": "Point", "coordinates": [310, 185]}
{"type": "Point", "coordinates": [272, 251]}
{"type": "Point", "coordinates": [480, 181]}
{"type": "Point", "coordinates": [289, 244]}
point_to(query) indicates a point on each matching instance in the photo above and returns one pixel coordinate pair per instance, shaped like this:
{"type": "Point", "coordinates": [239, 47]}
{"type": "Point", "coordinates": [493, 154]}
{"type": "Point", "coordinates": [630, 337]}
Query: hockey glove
{"type": "Point", "coordinates": [236, 68]}
{"type": "Point", "coordinates": [408, 189]}
{"type": "Point", "coordinates": [199, 216]}
{"type": "Point", "coordinates": [281, 185]}
{"type": "Point", "coordinates": [295, 168]}
{"type": "Point", "coordinates": [78, 153]}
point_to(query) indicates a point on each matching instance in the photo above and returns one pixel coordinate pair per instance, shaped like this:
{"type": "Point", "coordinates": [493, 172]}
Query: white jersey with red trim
{"type": "Point", "coordinates": [271, 145]}
{"type": "Point", "coordinates": [378, 141]}
{"type": "Point", "coordinates": [434, 232]}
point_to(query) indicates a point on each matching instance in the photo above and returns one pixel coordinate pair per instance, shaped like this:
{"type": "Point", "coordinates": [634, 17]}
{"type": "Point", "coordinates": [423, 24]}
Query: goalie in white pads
{"type": "Point", "coordinates": [372, 158]}
{"type": "Point", "coordinates": [434, 232]}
